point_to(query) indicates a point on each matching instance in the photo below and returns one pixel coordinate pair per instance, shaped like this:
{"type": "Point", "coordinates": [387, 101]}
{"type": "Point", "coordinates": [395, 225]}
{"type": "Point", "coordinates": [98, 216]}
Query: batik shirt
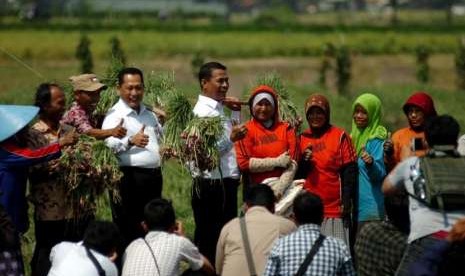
{"type": "Point", "coordinates": [77, 117]}
{"type": "Point", "coordinates": [46, 192]}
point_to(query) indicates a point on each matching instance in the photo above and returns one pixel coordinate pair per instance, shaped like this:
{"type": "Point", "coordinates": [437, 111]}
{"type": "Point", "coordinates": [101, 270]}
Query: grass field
{"type": "Point", "coordinates": [36, 44]}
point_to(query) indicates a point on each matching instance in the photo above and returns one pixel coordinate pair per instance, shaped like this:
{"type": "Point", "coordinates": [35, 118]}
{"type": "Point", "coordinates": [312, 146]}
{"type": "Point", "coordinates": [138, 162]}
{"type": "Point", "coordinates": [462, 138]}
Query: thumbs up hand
{"type": "Point", "coordinates": [140, 139]}
{"type": "Point", "coordinates": [388, 146]}
{"type": "Point", "coordinates": [368, 159]}
{"type": "Point", "coordinates": [307, 155]}
{"type": "Point", "coordinates": [119, 131]}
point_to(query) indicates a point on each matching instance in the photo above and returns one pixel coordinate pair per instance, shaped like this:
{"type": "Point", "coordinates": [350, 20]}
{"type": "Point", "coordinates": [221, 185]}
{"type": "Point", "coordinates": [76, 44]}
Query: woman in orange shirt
{"type": "Point", "coordinates": [269, 148]}
{"type": "Point", "coordinates": [410, 140]}
{"type": "Point", "coordinates": [330, 169]}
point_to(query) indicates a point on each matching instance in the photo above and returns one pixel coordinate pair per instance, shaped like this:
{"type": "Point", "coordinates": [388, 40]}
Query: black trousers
{"type": "Point", "coordinates": [138, 186]}
{"type": "Point", "coordinates": [214, 203]}
{"type": "Point", "coordinates": [50, 233]}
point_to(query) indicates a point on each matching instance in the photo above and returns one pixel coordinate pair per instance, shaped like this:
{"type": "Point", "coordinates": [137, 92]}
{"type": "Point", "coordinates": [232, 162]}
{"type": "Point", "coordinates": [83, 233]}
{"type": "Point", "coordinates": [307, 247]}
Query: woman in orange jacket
{"type": "Point", "coordinates": [269, 148]}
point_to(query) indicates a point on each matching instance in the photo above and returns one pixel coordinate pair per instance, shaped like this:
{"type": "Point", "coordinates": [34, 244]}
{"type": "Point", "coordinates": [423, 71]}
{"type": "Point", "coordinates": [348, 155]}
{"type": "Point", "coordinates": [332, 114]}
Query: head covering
{"type": "Point", "coordinates": [265, 89]}
{"type": "Point", "coordinates": [263, 95]}
{"type": "Point", "coordinates": [86, 82]}
{"type": "Point", "coordinates": [374, 129]}
{"type": "Point", "coordinates": [14, 118]}
{"type": "Point", "coordinates": [423, 101]}
{"type": "Point", "coordinates": [320, 101]}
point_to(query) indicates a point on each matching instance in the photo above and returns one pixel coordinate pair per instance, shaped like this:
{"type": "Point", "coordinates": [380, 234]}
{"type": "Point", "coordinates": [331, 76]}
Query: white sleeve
{"type": "Point", "coordinates": [59, 251]}
{"type": "Point", "coordinates": [190, 253]}
{"type": "Point", "coordinates": [116, 144]}
{"type": "Point", "coordinates": [461, 146]}
{"type": "Point", "coordinates": [236, 116]}
{"type": "Point", "coordinates": [400, 173]}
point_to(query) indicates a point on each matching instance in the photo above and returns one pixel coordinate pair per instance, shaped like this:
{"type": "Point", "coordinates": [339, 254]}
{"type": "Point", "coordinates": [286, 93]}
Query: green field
{"type": "Point", "coordinates": [37, 44]}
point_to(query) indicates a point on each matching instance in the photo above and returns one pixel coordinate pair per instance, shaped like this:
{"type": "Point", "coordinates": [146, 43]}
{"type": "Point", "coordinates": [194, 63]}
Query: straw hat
{"type": "Point", "coordinates": [14, 118]}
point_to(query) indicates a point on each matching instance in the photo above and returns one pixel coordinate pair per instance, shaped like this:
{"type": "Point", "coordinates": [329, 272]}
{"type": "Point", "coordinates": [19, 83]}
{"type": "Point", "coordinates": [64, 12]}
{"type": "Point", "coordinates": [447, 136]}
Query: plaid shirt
{"type": "Point", "coordinates": [379, 249]}
{"type": "Point", "coordinates": [289, 252]}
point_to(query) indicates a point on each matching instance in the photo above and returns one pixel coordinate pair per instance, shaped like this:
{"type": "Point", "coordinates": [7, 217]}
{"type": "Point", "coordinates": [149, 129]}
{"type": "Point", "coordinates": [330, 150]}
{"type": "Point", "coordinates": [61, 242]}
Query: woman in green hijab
{"type": "Point", "coordinates": [368, 136]}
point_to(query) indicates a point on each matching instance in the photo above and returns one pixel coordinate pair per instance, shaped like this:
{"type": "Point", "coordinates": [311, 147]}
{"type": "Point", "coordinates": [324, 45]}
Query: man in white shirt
{"type": "Point", "coordinates": [214, 194]}
{"type": "Point", "coordinates": [138, 153]}
{"type": "Point", "coordinates": [428, 226]}
{"type": "Point", "coordinates": [94, 255]}
{"type": "Point", "coordinates": [164, 246]}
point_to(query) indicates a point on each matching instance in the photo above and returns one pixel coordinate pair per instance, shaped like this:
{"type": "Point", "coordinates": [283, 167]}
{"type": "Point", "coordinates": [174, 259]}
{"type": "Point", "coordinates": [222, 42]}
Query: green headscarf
{"type": "Point", "coordinates": [372, 105]}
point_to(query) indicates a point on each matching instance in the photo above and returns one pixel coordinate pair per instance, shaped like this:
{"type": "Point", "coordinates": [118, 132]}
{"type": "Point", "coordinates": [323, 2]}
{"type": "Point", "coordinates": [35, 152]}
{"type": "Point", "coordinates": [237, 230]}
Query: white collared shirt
{"type": "Point", "coordinates": [208, 107]}
{"type": "Point", "coordinates": [70, 259]}
{"type": "Point", "coordinates": [148, 157]}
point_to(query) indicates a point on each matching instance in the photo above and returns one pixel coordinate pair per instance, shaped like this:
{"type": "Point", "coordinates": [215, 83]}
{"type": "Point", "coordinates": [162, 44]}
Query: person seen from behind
{"type": "Point", "coordinates": [93, 256]}
{"type": "Point", "coordinates": [262, 227]}
{"type": "Point", "coordinates": [429, 226]}
{"type": "Point", "coordinates": [164, 246]}
{"type": "Point", "coordinates": [331, 255]}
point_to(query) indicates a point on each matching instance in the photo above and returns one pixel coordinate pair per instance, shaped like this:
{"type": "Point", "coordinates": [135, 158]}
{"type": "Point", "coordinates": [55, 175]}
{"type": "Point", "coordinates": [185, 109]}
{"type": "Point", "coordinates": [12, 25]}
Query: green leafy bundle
{"type": "Point", "coordinates": [88, 169]}
{"type": "Point", "coordinates": [200, 146]}
{"type": "Point", "coordinates": [287, 109]}
{"type": "Point", "coordinates": [109, 96]}
{"type": "Point", "coordinates": [159, 86]}
{"type": "Point", "coordinates": [179, 112]}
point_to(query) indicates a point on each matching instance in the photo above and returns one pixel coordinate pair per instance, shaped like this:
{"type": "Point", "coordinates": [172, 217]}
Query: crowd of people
{"type": "Point", "coordinates": [359, 211]}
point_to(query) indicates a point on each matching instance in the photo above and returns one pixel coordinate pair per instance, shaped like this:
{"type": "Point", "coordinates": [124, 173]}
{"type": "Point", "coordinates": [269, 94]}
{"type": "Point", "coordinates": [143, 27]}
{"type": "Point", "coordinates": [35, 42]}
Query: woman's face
{"type": "Point", "coordinates": [360, 116]}
{"type": "Point", "coordinates": [415, 116]}
{"type": "Point", "coordinates": [316, 117]}
{"type": "Point", "coordinates": [263, 111]}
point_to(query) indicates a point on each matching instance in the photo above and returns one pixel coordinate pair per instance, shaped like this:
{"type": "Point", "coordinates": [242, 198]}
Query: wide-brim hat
{"type": "Point", "coordinates": [14, 118]}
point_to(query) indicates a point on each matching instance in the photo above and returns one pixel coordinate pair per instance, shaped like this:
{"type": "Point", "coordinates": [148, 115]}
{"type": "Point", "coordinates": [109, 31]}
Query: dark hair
{"type": "Point", "coordinates": [260, 195]}
{"type": "Point", "coordinates": [308, 208]}
{"type": "Point", "coordinates": [44, 95]}
{"type": "Point", "coordinates": [159, 214]}
{"type": "Point", "coordinates": [441, 130]}
{"type": "Point", "coordinates": [129, 71]}
{"type": "Point", "coordinates": [205, 72]}
{"type": "Point", "coordinates": [102, 236]}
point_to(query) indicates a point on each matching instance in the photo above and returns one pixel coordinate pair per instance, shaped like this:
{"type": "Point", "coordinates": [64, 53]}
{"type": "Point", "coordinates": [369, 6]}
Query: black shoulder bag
{"type": "Point", "coordinates": [308, 259]}
{"type": "Point", "coordinates": [248, 251]}
{"type": "Point", "coordinates": [101, 271]}
{"type": "Point", "coordinates": [153, 256]}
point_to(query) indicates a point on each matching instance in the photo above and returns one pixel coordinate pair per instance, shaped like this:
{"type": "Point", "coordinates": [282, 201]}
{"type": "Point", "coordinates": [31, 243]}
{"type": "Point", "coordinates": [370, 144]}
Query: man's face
{"type": "Point", "coordinates": [87, 99]}
{"type": "Point", "coordinates": [55, 109]}
{"type": "Point", "coordinates": [217, 86]}
{"type": "Point", "coordinates": [131, 90]}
